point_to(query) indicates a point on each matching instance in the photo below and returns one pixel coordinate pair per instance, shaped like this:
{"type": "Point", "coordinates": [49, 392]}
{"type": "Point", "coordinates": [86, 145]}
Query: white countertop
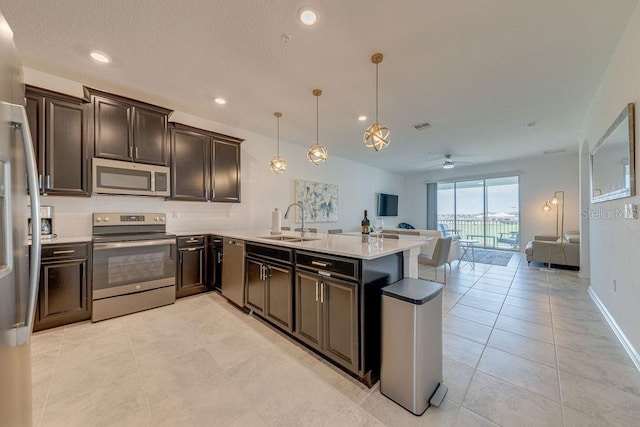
{"type": "Point", "coordinates": [336, 244]}
{"type": "Point", "coordinates": [60, 240]}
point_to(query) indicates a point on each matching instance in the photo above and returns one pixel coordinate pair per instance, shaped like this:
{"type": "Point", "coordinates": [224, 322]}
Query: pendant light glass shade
{"type": "Point", "coordinates": [278, 164]}
{"type": "Point", "coordinates": [317, 153]}
{"type": "Point", "coordinates": [377, 136]}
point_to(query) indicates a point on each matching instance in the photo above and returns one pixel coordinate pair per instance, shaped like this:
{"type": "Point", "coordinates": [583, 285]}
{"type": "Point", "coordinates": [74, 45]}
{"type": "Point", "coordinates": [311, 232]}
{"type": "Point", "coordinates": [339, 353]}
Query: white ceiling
{"type": "Point", "coordinates": [478, 71]}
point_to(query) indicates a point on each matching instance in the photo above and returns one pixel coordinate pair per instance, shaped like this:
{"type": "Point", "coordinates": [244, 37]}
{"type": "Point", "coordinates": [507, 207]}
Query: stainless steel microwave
{"type": "Point", "coordinates": [127, 178]}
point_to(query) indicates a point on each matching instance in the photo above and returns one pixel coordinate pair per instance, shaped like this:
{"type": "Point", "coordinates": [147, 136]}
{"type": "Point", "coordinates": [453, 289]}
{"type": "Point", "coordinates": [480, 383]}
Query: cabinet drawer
{"type": "Point", "coordinates": [275, 253]}
{"type": "Point", "coordinates": [345, 267]}
{"type": "Point", "coordinates": [65, 251]}
{"type": "Point", "coordinates": [187, 241]}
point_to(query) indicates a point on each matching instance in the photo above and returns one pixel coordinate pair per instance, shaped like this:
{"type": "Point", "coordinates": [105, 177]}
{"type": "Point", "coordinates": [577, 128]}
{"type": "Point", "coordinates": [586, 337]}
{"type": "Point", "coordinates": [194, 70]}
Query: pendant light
{"type": "Point", "coordinates": [278, 164]}
{"type": "Point", "coordinates": [376, 136]}
{"type": "Point", "coordinates": [317, 153]}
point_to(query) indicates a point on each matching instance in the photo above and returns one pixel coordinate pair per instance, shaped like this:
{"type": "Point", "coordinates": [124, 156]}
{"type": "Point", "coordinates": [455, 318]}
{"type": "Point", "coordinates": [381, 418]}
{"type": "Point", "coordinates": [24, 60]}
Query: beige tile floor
{"type": "Point", "coordinates": [521, 347]}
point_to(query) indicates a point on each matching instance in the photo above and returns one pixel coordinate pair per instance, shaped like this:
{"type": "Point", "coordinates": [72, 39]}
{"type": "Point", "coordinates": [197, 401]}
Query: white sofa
{"type": "Point", "coordinates": [454, 252]}
{"type": "Point", "coordinates": [563, 250]}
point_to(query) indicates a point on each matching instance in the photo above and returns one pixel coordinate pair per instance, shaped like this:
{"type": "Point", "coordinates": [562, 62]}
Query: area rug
{"type": "Point", "coordinates": [489, 256]}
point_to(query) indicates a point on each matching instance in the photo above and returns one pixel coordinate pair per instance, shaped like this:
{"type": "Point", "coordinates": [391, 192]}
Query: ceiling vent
{"type": "Point", "coordinates": [425, 125]}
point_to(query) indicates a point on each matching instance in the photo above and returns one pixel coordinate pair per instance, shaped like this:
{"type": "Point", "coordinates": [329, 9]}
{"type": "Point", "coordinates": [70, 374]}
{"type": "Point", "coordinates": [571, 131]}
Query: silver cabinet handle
{"type": "Point", "coordinates": [316, 291]}
{"type": "Point", "coordinates": [18, 116]}
{"type": "Point", "coordinates": [131, 151]}
{"type": "Point", "coordinates": [322, 293]}
{"type": "Point", "coordinates": [192, 249]}
{"type": "Point", "coordinates": [136, 152]}
{"type": "Point", "coordinates": [40, 182]}
{"type": "Point", "coordinates": [48, 183]}
{"type": "Point", "coordinates": [70, 251]}
{"type": "Point", "coordinates": [219, 257]}
{"type": "Point", "coordinates": [320, 263]}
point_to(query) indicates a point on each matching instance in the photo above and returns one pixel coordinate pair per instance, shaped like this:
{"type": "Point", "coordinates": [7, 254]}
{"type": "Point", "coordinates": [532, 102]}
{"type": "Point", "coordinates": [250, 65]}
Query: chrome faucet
{"type": "Point", "coordinates": [286, 215]}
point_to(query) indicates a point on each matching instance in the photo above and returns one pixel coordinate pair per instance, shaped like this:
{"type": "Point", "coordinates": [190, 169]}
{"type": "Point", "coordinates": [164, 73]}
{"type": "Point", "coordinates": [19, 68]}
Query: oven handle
{"type": "Point", "coordinates": [136, 244]}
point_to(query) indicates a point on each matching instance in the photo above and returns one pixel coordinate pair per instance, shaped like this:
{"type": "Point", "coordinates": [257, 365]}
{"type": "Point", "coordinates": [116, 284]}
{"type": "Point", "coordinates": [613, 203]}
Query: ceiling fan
{"type": "Point", "coordinates": [447, 163]}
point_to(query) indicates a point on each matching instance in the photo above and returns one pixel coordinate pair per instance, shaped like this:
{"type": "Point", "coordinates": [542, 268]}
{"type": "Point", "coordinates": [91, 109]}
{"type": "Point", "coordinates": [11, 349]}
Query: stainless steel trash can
{"type": "Point", "coordinates": [411, 370]}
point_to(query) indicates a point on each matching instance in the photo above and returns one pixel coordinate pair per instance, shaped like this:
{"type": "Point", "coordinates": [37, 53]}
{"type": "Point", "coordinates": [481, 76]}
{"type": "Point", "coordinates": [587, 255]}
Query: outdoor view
{"type": "Point", "coordinates": [486, 210]}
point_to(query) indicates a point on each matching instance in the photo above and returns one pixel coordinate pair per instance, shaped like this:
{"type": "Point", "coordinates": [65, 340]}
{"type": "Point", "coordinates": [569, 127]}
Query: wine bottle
{"type": "Point", "coordinates": [365, 229]}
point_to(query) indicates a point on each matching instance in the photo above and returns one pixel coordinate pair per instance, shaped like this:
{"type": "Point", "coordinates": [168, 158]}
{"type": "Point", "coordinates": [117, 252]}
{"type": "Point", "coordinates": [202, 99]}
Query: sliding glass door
{"type": "Point", "coordinates": [485, 210]}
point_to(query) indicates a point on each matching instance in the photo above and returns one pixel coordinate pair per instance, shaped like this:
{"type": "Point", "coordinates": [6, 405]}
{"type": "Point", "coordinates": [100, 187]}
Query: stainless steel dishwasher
{"type": "Point", "coordinates": [233, 271]}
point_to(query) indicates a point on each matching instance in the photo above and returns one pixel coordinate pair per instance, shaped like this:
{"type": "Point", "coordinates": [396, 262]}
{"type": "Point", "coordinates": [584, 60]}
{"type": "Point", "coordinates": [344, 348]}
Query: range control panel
{"type": "Point", "coordinates": [114, 218]}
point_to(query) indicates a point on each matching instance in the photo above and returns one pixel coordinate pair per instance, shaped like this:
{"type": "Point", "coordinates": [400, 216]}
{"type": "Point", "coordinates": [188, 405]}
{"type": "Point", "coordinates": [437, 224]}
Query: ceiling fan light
{"type": "Point", "coordinates": [448, 164]}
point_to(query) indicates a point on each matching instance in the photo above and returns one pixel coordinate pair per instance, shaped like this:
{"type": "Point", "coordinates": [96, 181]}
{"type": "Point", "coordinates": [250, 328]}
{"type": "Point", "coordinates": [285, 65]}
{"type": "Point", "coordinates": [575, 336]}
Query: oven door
{"type": "Point", "coordinates": [121, 268]}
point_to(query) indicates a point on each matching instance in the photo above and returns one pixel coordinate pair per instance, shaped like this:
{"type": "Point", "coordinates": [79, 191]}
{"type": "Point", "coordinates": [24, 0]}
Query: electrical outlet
{"type": "Point", "coordinates": [615, 285]}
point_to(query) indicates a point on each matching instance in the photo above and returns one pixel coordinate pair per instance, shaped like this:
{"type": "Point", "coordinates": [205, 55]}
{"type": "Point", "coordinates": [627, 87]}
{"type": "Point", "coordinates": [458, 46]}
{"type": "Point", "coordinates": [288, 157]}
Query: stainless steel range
{"type": "Point", "coordinates": [134, 264]}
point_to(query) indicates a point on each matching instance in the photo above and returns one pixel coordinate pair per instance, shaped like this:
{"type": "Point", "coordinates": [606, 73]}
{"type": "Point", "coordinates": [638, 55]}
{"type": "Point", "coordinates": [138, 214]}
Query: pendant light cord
{"type": "Point", "coordinates": [317, 126]}
{"type": "Point", "coordinates": [376, 93]}
{"type": "Point", "coordinates": [278, 136]}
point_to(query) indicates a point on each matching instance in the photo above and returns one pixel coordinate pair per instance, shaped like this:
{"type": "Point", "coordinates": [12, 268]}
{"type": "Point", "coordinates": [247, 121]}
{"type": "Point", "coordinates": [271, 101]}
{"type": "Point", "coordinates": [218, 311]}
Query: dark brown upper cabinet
{"type": "Point", "coordinates": [59, 130]}
{"type": "Point", "coordinates": [205, 165]}
{"type": "Point", "coordinates": [130, 130]}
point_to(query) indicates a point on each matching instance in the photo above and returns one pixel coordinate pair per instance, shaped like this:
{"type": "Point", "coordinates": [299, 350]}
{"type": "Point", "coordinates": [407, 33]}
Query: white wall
{"type": "Point", "coordinates": [615, 247]}
{"type": "Point", "coordinates": [540, 177]}
{"type": "Point", "coordinates": [262, 190]}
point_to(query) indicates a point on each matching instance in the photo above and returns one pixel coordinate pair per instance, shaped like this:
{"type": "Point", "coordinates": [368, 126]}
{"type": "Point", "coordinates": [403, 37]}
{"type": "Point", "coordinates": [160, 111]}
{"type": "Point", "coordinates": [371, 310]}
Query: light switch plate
{"type": "Point", "coordinates": [631, 211]}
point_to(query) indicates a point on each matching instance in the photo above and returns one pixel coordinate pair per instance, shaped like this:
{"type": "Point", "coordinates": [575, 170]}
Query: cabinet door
{"type": "Point", "coordinates": [308, 309]}
{"type": "Point", "coordinates": [340, 317]}
{"type": "Point", "coordinates": [35, 114]}
{"type": "Point", "coordinates": [255, 286]}
{"type": "Point", "coordinates": [65, 148]}
{"type": "Point", "coordinates": [279, 297]}
{"type": "Point", "coordinates": [225, 173]}
{"type": "Point", "coordinates": [150, 136]}
{"type": "Point", "coordinates": [64, 294]}
{"type": "Point", "coordinates": [190, 165]}
{"type": "Point", "coordinates": [112, 132]}
{"type": "Point", "coordinates": [191, 277]}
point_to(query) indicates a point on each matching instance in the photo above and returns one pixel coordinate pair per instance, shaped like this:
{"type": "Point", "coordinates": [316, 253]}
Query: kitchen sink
{"type": "Point", "coordinates": [290, 238]}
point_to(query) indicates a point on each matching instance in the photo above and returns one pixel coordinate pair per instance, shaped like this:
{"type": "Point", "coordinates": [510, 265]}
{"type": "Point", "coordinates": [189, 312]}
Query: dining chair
{"type": "Point", "coordinates": [439, 256]}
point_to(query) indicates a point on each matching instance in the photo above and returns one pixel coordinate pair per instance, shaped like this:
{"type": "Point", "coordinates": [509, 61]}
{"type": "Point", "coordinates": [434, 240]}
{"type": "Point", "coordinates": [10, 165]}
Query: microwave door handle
{"type": "Point", "coordinates": [18, 116]}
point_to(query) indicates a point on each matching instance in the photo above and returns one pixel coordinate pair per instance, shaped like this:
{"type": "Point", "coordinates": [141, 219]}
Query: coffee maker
{"type": "Point", "coordinates": [46, 222]}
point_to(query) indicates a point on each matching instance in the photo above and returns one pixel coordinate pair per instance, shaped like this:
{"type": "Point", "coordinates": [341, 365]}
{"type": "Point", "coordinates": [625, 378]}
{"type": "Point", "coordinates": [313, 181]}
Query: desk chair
{"type": "Point", "coordinates": [439, 256]}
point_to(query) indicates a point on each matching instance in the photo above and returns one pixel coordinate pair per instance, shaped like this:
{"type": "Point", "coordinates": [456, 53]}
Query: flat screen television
{"type": "Point", "coordinates": [387, 205]}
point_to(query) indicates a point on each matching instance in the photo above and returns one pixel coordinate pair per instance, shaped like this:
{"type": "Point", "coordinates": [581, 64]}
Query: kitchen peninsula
{"type": "Point", "coordinates": [324, 289]}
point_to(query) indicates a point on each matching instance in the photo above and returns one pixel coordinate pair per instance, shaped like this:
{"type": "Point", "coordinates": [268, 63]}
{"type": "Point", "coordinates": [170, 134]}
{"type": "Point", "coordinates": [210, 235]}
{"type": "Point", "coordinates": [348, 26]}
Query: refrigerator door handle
{"type": "Point", "coordinates": [6, 265]}
{"type": "Point", "coordinates": [18, 116]}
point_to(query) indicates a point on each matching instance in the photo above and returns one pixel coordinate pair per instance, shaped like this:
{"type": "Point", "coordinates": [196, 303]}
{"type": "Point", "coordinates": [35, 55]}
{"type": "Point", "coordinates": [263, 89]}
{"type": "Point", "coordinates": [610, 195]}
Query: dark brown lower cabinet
{"type": "Point", "coordinates": [191, 275]}
{"type": "Point", "coordinates": [269, 292]}
{"type": "Point", "coordinates": [65, 293]}
{"type": "Point", "coordinates": [326, 317]}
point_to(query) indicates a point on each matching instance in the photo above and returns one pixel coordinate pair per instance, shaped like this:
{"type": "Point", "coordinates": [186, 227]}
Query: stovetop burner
{"type": "Point", "coordinates": [121, 227]}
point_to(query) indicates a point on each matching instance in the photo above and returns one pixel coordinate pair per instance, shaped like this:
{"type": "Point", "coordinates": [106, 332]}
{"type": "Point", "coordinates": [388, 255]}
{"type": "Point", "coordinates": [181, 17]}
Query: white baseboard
{"type": "Point", "coordinates": [628, 347]}
{"type": "Point", "coordinates": [584, 275]}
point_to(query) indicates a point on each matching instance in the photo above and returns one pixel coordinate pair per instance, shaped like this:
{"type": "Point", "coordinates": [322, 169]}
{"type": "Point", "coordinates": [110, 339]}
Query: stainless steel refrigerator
{"type": "Point", "coordinates": [18, 271]}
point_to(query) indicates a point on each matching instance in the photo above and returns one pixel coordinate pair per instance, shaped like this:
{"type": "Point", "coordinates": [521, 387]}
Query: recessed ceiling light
{"type": "Point", "coordinates": [362, 118]}
{"type": "Point", "coordinates": [531, 125]}
{"type": "Point", "coordinates": [220, 101]}
{"type": "Point", "coordinates": [308, 16]}
{"type": "Point", "coordinates": [100, 57]}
